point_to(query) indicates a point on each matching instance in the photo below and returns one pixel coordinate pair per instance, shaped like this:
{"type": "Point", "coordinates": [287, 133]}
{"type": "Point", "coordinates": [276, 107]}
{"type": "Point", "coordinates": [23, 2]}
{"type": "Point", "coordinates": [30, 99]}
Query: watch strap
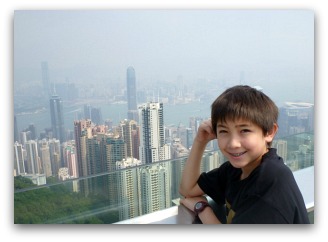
{"type": "Point", "coordinates": [200, 206]}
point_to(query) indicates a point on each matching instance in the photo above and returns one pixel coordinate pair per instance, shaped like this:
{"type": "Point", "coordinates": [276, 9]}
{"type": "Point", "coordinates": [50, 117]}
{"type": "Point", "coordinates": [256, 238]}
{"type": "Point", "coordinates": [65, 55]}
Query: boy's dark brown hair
{"type": "Point", "coordinates": [247, 103]}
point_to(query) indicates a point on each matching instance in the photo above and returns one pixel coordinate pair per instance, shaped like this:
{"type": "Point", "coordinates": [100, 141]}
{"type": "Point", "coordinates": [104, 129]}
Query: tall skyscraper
{"type": "Point", "coordinates": [96, 116]}
{"type": "Point", "coordinates": [57, 118]}
{"type": "Point", "coordinates": [32, 128]}
{"type": "Point", "coordinates": [131, 94]}
{"type": "Point", "coordinates": [152, 141]}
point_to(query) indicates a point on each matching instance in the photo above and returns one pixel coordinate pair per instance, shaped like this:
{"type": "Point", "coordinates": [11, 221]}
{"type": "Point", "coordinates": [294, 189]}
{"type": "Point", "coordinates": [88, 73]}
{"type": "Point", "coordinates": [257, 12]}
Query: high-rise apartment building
{"type": "Point", "coordinates": [281, 146]}
{"type": "Point", "coordinates": [57, 118]}
{"type": "Point", "coordinates": [45, 157]}
{"type": "Point", "coordinates": [131, 94]}
{"type": "Point", "coordinates": [190, 137]}
{"type": "Point", "coordinates": [25, 136]}
{"type": "Point", "coordinates": [33, 164]}
{"type": "Point", "coordinates": [155, 185]}
{"type": "Point", "coordinates": [152, 141]}
{"type": "Point", "coordinates": [129, 130]}
{"type": "Point", "coordinates": [19, 166]}
{"type": "Point", "coordinates": [115, 150]}
{"type": "Point", "coordinates": [82, 131]}
{"type": "Point", "coordinates": [128, 188]}
{"type": "Point", "coordinates": [70, 158]}
{"type": "Point", "coordinates": [55, 155]}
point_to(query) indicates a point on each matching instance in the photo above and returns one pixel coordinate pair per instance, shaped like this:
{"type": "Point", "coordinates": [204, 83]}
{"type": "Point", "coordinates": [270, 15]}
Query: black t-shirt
{"type": "Point", "coordinates": [269, 195]}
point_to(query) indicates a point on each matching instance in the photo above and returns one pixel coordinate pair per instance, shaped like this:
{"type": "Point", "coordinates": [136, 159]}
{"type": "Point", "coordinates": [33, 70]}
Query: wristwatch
{"type": "Point", "coordinates": [200, 206]}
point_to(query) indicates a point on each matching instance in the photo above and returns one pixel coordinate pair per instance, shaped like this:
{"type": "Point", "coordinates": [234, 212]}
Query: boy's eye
{"type": "Point", "coordinates": [245, 130]}
{"type": "Point", "coordinates": [222, 131]}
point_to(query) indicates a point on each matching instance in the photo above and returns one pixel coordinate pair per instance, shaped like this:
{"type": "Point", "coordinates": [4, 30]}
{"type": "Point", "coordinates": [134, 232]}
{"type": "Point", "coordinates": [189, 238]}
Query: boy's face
{"type": "Point", "coordinates": [243, 143]}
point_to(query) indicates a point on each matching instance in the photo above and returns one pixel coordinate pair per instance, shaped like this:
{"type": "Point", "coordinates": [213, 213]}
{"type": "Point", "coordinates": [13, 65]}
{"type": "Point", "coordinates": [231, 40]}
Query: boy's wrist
{"type": "Point", "coordinates": [200, 206]}
{"type": "Point", "coordinates": [200, 144]}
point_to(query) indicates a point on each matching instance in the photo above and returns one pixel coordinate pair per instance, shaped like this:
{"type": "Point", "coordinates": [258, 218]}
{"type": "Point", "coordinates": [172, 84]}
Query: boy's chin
{"type": "Point", "coordinates": [238, 164]}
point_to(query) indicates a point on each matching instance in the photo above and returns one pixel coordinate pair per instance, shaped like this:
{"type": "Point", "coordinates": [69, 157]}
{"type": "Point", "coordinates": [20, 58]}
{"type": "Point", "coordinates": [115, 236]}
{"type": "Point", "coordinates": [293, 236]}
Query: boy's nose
{"type": "Point", "coordinates": [234, 142]}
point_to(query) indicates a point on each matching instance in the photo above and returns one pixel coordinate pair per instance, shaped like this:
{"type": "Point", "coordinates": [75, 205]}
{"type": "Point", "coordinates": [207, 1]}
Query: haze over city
{"type": "Point", "coordinates": [107, 105]}
{"type": "Point", "coordinates": [273, 49]}
{"type": "Point", "coordinates": [80, 48]}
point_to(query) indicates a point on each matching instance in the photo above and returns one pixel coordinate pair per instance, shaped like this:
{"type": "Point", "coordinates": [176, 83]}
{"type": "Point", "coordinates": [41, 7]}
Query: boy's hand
{"type": "Point", "coordinates": [205, 132]}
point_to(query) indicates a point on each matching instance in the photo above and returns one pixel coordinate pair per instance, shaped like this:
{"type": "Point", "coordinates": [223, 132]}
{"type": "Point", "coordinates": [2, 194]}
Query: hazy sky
{"type": "Point", "coordinates": [270, 48]}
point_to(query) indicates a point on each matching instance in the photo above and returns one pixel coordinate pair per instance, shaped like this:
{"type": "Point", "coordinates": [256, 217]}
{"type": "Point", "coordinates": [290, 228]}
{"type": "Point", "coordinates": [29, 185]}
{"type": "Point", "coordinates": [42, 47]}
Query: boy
{"type": "Point", "coordinates": [254, 184]}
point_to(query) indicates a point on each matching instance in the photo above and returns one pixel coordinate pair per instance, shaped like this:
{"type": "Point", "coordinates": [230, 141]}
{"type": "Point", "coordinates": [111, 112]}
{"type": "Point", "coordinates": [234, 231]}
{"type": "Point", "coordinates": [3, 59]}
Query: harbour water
{"type": "Point", "coordinates": [173, 114]}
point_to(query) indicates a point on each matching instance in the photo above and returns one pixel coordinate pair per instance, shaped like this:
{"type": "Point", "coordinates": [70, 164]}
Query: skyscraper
{"type": "Point", "coordinates": [152, 141]}
{"type": "Point", "coordinates": [33, 165]}
{"type": "Point", "coordinates": [129, 132]}
{"type": "Point", "coordinates": [57, 118]}
{"type": "Point", "coordinates": [55, 156]}
{"type": "Point", "coordinates": [19, 165]}
{"type": "Point", "coordinates": [128, 189]}
{"type": "Point", "coordinates": [131, 94]}
{"type": "Point", "coordinates": [82, 131]}
{"type": "Point", "coordinates": [70, 158]}
{"type": "Point", "coordinates": [150, 177]}
{"type": "Point", "coordinates": [44, 153]}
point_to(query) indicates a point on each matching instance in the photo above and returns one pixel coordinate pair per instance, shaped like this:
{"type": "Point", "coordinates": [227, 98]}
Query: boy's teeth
{"type": "Point", "coordinates": [237, 154]}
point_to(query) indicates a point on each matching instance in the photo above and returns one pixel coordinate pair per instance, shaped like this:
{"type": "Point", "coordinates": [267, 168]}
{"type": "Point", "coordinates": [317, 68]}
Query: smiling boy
{"type": "Point", "coordinates": [254, 184]}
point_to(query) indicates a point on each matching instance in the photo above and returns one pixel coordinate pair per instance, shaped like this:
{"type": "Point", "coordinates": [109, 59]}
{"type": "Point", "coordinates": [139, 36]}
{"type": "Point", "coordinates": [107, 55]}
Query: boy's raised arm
{"type": "Point", "coordinates": [191, 172]}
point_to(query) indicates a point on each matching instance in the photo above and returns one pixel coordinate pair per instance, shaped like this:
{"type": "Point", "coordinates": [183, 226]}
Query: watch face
{"type": "Point", "coordinates": [198, 205]}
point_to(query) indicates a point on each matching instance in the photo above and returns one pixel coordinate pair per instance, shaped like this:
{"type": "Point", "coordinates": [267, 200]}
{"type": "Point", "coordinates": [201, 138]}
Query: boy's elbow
{"type": "Point", "coordinates": [183, 191]}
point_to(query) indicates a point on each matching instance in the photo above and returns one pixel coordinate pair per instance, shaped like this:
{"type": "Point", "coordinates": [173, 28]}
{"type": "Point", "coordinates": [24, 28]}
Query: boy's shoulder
{"type": "Point", "coordinates": [272, 164]}
{"type": "Point", "coordinates": [273, 173]}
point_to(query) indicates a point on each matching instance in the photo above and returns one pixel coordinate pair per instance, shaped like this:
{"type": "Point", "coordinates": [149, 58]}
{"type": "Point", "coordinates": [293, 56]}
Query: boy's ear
{"type": "Point", "coordinates": [270, 135]}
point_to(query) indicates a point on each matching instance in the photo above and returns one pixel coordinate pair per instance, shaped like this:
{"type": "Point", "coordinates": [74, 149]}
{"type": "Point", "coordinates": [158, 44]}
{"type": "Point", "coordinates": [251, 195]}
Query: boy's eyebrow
{"type": "Point", "coordinates": [237, 125]}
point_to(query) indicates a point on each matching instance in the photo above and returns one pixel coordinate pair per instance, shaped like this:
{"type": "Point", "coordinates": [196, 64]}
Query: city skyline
{"type": "Point", "coordinates": [273, 49]}
{"type": "Point", "coordinates": [178, 73]}
{"type": "Point", "coordinates": [320, 73]}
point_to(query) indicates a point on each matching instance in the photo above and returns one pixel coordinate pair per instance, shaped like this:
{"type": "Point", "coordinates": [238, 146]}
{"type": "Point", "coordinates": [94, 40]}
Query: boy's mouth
{"type": "Point", "coordinates": [237, 154]}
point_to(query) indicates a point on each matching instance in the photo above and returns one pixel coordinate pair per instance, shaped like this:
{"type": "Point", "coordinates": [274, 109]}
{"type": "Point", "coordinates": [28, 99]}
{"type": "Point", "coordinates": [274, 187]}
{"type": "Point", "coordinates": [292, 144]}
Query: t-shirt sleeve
{"type": "Point", "coordinates": [213, 183]}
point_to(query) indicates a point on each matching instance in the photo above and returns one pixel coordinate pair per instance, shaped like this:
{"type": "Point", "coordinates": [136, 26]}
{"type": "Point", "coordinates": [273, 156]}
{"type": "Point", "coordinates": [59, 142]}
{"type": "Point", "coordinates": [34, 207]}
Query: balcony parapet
{"type": "Point", "coordinates": [181, 215]}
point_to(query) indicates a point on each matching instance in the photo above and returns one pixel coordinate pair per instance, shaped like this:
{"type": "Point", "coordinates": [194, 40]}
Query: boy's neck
{"type": "Point", "coordinates": [246, 171]}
